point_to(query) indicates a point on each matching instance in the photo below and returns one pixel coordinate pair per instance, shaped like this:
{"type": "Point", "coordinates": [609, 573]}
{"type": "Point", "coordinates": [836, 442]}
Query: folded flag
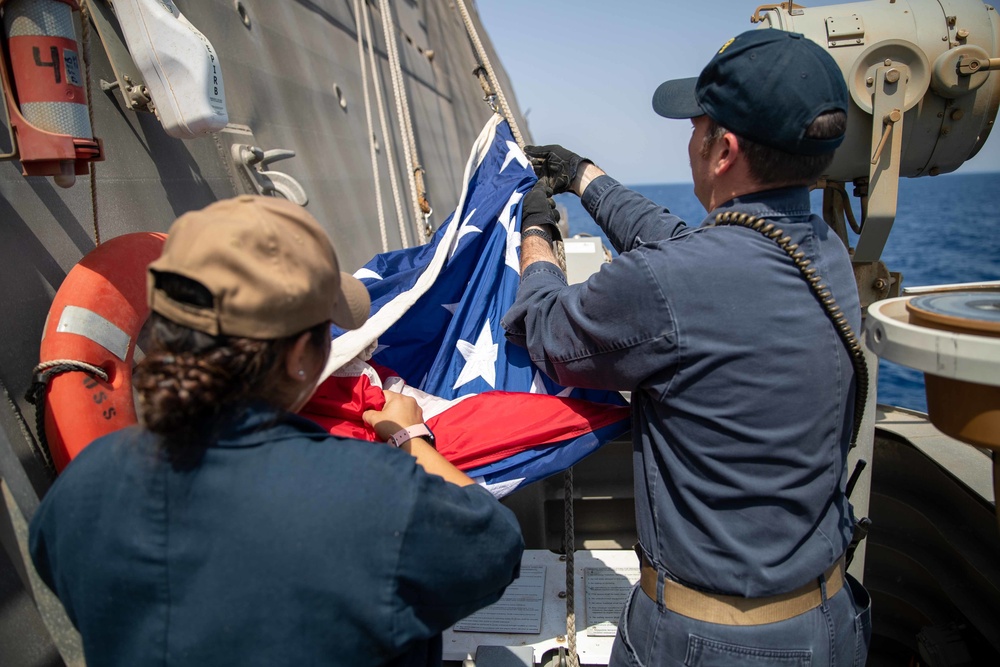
{"type": "Point", "coordinates": [435, 333]}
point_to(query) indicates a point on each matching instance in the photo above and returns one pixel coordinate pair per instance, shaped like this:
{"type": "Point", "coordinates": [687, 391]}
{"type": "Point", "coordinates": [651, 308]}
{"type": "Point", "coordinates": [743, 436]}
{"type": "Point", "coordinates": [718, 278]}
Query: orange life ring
{"type": "Point", "coordinates": [95, 318]}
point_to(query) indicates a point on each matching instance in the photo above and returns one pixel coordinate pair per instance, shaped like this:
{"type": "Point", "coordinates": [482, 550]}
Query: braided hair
{"type": "Point", "coordinates": [189, 377]}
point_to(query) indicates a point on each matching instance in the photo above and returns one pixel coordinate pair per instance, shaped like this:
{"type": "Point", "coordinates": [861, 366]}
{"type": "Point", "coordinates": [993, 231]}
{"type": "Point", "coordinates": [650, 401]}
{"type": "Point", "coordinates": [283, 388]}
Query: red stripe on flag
{"type": "Point", "coordinates": [474, 432]}
{"type": "Point", "coordinates": [339, 403]}
{"type": "Point", "coordinates": [497, 424]}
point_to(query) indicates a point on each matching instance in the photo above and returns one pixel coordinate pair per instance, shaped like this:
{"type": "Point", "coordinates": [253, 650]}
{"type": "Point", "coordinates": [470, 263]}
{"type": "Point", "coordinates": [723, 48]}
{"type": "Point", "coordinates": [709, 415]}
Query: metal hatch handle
{"type": "Point", "coordinates": [969, 66]}
{"type": "Point", "coordinates": [254, 160]}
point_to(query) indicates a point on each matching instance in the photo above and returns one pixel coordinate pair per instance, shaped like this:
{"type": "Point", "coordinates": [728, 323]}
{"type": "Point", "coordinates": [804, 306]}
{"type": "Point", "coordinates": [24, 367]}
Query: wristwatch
{"type": "Point", "coordinates": [415, 431]}
{"type": "Point", "coordinates": [537, 231]}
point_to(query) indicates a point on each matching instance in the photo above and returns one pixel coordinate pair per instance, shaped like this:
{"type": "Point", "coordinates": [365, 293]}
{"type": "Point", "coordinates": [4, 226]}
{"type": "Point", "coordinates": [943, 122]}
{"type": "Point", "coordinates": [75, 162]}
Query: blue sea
{"type": "Point", "coordinates": [947, 230]}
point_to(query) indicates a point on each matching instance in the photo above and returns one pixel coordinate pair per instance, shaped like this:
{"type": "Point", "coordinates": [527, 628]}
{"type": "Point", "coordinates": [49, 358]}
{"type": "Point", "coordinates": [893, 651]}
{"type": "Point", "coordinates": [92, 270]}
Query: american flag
{"type": "Point", "coordinates": [435, 333]}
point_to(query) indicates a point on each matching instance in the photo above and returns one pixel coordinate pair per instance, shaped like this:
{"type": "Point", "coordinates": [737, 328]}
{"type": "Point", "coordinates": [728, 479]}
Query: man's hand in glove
{"type": "Point", "coordinates": [554, 165]}
{"type": "Point", "coordinates": [538, 223]}
{"type": "Point", "coordinates": [538, 210]}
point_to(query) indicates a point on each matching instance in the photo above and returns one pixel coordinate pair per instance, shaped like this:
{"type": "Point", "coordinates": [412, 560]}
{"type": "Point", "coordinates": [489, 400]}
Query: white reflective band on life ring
{"type": "Point", "coordinates": [87, 323]}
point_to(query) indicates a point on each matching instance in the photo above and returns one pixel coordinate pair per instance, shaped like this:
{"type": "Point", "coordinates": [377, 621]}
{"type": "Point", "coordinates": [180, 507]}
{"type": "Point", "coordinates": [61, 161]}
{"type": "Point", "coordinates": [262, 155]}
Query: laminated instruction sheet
{"type": "Point", "coordinates": [519, 611]}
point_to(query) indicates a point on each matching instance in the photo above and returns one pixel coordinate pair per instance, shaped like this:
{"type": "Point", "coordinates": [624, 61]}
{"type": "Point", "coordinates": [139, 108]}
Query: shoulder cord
{"type": "Point", "coordinates": [825, 298]}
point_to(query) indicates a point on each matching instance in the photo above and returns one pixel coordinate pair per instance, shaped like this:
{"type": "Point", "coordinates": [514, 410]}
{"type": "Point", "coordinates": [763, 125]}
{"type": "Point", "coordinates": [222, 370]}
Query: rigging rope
{"type": "Point", "coordinates": [403, 237]}
{"type": "Point", "coordinates": [485, 61]}
{"type": "Point", "coordinates": [85, 34]}
{"type": "Point", "coordinates": [371, 130]}
{"type": "Point", "coordinates": [569, 535]}
{"type": "Point", "coordinates": [572, 659]}
{"type": "Point", "coordinates": [40, 452]}
{"type": "Point", "coordinates": [403, 114]}
{"type": "Point", "coordinates": [43, 374]}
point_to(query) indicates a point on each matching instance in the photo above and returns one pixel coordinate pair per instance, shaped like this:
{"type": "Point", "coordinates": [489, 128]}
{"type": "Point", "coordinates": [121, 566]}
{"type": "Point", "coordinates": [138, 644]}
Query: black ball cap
{"type": "Point", "coordinates": [765, 85]}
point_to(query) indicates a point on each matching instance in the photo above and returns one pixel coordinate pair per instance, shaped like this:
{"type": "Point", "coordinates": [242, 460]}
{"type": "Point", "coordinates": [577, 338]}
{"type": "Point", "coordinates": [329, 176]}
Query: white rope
{"type": "Point", "coordinates": [485, 60]}
{"type": "Point", "coordinates": [371, 131]}
{"type": "Point", "coordinates": [403, 113]}
{"type": "Point", "coordinates": [402, 110]}
{"type": "Point", "coordinates": [404, 238]}
{"type": "Point", "coordinates": [569, 535]}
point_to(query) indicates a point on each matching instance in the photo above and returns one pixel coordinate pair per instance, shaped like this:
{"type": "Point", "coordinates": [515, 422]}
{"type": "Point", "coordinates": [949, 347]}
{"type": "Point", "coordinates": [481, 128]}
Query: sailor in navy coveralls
{"type": "Point", "coordinates": [742, 391]}
{"type": "Point", "coordinates": [226, 530]}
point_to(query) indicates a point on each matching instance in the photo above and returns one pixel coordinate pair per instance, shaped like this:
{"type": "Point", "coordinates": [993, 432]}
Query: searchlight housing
{"type": "Point", "coordinates": [923, 89]}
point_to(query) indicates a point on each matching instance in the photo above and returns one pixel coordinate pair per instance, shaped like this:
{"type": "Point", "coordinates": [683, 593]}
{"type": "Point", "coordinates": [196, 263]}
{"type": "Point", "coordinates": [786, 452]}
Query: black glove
{"type": "Point", "coordinates": [555, 165]}
{"type": "Point", "coordinates": [538, 210]}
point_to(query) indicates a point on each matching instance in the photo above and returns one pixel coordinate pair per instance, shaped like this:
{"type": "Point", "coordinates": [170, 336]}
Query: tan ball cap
{"type": "Point", "coordinates": [269, 266]}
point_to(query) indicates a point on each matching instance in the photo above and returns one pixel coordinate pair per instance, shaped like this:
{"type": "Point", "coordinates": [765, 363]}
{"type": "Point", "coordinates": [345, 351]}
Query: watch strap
{"type": "Point", "coordinates": [416, 431]}
{"type": "Point", "coordinates": [536, 231]}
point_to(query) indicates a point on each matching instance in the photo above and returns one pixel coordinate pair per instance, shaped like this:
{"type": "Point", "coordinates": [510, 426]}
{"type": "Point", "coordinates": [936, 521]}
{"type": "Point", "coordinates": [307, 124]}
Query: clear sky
{"type": "Point", "coordinates": [584, 72]}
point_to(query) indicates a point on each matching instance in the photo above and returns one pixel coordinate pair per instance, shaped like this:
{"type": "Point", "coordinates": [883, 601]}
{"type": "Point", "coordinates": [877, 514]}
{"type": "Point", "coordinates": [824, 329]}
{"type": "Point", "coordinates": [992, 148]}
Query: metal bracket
{"type": "Point", "coordinates": [875, 282]}
{"type": "Point", "coordinates": [790, 7]}
{"type": "Point", "coordinates": [7, 103]}
{"type": "Point", "coordinates": [845, 31]}
{"type": "Point", "coordinates": [887, 132]}
{"type": "Point", "coordinates": [253, 161]}
{"type": "Point", "coordinates": [489, 96]}
{"type": "Point", "coordinates": [128, 79]}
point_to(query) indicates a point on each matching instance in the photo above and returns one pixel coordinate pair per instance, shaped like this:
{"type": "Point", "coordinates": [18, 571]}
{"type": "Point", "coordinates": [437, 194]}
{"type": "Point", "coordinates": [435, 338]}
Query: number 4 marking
{"type": "Point", "coordinates": [54, 63]}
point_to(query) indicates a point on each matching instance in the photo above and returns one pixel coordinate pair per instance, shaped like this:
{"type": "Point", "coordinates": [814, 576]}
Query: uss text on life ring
{"type": "Point", "coordinates": [95, 318]}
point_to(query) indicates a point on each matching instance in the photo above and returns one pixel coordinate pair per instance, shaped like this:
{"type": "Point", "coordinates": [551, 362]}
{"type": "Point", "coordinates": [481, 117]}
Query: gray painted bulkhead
{"type": "Point", "coordinates": [280, 74]}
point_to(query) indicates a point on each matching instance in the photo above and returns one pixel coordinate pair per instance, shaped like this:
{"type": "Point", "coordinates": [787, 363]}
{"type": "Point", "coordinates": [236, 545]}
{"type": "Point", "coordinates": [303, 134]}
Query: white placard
{"type": "Point", "coordinates": [606, 591]}
{"type": "Point", "coordinates": [519, 611]}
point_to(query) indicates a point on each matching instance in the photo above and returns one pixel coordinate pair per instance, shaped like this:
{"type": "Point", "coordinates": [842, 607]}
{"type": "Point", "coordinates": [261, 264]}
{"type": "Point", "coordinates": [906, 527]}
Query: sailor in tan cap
{"type": "Point", "coordinates": [226, 530]}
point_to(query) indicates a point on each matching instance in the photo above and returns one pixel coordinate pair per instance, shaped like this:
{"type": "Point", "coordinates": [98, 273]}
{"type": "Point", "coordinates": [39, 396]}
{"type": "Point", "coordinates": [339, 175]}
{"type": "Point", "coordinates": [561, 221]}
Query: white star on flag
{"type": "Point", "coordinates": [508, 221]}
{"type": "Point", "coordinates": [514, 153]}
{"type": "Point", "coordinates": [465, 229]}
{"type": "Point", "coordinates": [507, 215]}
{"type": "Point", "coordinates": [480, 359]}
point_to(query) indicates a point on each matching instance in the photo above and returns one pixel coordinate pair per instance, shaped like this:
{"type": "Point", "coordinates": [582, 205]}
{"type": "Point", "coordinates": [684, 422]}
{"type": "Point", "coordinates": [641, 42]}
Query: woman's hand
{"type": "Point", "coordinates": [399, 412]}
